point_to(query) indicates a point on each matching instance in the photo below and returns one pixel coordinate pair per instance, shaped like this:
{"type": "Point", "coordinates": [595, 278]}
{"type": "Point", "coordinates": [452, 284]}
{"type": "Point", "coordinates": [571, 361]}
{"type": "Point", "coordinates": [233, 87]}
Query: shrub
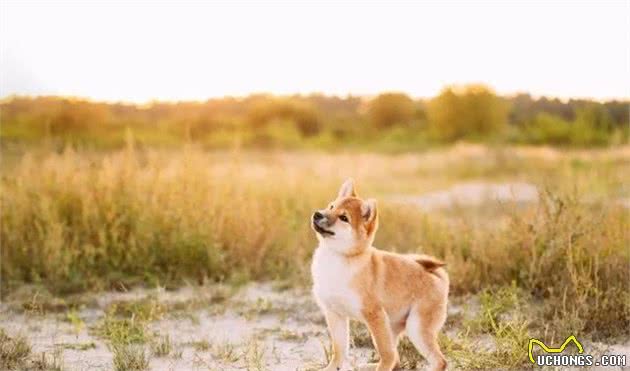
{"type": "Point", "coordinates": [546, 128]}
{"type": "Point", "coordinates": [267, 110]}
{"type": "Point", "coordinates": [587, 129]}
{"type": "Point", "coordinates": [471, 111]}
{"type": "Point", "coordinates": [389, 109]}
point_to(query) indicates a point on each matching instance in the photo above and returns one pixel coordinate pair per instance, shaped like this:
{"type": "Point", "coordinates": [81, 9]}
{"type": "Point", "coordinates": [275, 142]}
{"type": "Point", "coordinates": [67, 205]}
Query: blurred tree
{"type": "Point", "coordinates": [301, 113]}
{"type": "Point", "coordinates": [522, 109]}
{"type": "Point", "coordinates": [466, 112]}
{"type": "Point", "coordinates": [389, 109]}
{"type": "Point", "coordinates": [620, 112]}
{"type": "Point", "coordinates": [596, 115]}
{"type": "Point", "coordinates": [546, 128]}
{"type": "Point", "coordinates": [592, 126]}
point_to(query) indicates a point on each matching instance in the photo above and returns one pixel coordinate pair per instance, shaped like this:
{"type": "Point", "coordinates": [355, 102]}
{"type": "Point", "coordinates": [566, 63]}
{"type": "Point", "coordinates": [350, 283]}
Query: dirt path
{"type": "Point", "coordinates": [475, 195]}
{"type": "Point", "coordinates": [472, 194]}
{"type": "Point", "coordinates": [256, 328]}
{"type": "Point", "coordinates": [259, 327]}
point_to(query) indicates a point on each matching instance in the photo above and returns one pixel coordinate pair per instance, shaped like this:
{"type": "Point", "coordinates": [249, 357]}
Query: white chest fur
{"type": "Point", "coordinates": [332, 278]}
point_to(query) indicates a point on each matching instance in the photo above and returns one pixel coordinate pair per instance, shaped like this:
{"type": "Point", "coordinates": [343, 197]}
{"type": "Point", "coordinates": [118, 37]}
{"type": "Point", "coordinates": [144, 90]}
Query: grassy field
{"type": "Point", "coordinates": [75, 223]}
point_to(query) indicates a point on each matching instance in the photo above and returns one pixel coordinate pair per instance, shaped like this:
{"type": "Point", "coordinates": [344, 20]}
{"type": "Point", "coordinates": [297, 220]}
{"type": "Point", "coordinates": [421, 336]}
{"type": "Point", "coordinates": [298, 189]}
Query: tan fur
{"type": "Point", "coordinates": [396, 293]}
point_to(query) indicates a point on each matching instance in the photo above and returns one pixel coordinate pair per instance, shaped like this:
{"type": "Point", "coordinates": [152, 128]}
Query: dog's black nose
{"type": "Point", "coordinates": [318, 216]}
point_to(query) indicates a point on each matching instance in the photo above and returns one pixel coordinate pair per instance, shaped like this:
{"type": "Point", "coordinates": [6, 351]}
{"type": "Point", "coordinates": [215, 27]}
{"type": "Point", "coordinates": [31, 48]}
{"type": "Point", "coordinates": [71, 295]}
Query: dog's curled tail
{"type": "Point", "coordinates": [431, 265]}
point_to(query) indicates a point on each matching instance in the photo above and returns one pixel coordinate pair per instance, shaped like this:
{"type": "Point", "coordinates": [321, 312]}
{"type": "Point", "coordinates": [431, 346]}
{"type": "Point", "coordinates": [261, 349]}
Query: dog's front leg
{"type": "Point", "coordinates": [378, 324]}
{"type": "Point", "coordinates": [339, 336]}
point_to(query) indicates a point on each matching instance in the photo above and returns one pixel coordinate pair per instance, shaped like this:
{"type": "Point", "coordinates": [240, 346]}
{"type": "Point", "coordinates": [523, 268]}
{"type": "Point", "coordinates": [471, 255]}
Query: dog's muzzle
{"type": "Point", "coordinates": [320, 223]}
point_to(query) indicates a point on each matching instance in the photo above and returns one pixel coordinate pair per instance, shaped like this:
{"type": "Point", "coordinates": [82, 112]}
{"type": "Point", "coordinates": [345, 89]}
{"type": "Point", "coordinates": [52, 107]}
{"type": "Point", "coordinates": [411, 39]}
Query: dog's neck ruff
{"type": "Point", "coordinates": [349, 253]}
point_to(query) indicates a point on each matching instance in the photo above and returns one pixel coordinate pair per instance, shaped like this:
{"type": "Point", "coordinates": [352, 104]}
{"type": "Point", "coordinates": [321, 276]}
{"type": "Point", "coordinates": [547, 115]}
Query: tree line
{"type": "Point", "coordinates": [391, 120]}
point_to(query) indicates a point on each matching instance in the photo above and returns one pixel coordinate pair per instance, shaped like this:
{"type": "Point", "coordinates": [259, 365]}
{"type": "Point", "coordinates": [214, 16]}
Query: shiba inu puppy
{"type": "Point", "coordinates": [391, 293]}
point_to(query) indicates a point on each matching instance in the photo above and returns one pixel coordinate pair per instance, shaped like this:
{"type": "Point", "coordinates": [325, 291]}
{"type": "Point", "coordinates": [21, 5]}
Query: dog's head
{"type": "Point", "coordinates": [349, 223]}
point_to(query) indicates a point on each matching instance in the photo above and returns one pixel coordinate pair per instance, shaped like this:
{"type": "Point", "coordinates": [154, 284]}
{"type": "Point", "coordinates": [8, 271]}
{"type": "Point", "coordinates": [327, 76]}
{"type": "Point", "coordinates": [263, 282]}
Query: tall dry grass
{"type": "Point", "coordinates": [76, 221]}
{"type": "Point", "coordinates": [79, 223]}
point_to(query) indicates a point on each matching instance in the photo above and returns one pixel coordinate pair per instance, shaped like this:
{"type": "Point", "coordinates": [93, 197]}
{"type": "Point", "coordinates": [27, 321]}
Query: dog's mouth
{"type": "Point", "coordinates": [322, 231]}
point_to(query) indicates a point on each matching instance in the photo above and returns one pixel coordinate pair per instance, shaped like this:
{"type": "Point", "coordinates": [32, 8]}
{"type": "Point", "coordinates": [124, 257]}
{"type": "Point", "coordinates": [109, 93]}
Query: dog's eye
{"type": "Point", "coordinates": [331, 206]}
{"type": "Point", "coordinates": [343, 218]}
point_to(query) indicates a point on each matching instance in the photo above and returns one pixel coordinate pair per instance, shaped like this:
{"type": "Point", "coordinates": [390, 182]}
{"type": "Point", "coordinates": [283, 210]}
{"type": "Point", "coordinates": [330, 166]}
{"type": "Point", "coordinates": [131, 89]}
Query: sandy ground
{"type": "Point", "coordinates": [472, 194]}
{"type": "Point", "coordinates": [259, 327]}
{"type": "Point", "coordinates": [264, 329]}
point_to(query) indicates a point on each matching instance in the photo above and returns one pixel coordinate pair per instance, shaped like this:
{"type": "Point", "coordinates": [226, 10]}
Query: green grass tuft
{"type": "Point", "coordinates": [128, 357]}
{"type": "Point", "coordinates": [14, 351]}
{"type": "Point", "coordinates": [162, 346]}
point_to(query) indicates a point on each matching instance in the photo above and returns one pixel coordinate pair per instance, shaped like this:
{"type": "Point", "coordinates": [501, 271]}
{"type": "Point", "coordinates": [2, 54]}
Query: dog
{"type": "Point", "coordinates": [391, 293]}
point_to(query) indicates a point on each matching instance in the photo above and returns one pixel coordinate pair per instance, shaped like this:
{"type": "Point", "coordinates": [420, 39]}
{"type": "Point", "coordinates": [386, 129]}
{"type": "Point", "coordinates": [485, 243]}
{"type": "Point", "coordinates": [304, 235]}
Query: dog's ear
{"type": "Point", "coordinates": [347, 189]}
{"type": "Point", "coordinates": [370, 215]}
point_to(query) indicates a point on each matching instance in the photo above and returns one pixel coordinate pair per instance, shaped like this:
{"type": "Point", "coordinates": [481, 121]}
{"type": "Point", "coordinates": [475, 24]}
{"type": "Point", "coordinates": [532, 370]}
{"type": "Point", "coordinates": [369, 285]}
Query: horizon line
{"type": "Point", "coordinates": [149, 101]}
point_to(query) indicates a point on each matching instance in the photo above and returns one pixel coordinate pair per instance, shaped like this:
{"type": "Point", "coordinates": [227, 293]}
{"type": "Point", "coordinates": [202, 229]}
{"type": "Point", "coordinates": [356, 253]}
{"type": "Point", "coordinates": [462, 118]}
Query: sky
{"type": "Point", "coordinates": [161, 50]}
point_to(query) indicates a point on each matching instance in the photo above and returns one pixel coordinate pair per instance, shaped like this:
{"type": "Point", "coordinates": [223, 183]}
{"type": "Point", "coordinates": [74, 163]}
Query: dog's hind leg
{"type": "Point", "coordinates": [382, 337]}
{"type": "Point", "coordinates": [423, 325]}
{"type": "Point", "coordinates": [397, 331]}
